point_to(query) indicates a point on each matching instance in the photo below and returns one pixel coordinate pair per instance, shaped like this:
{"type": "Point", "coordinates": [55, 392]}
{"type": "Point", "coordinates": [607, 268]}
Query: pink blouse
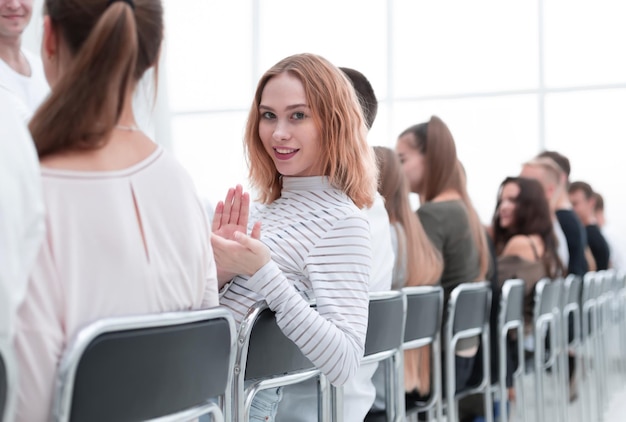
{"type": "Point", "coordinates": [122, 242]}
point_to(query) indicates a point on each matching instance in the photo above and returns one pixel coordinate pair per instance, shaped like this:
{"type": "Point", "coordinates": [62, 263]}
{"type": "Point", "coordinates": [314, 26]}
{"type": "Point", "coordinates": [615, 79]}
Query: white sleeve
{"type": "Point", "coordinates": [333, 336]}
{"type": "Point", "coordinates": [21, 208]}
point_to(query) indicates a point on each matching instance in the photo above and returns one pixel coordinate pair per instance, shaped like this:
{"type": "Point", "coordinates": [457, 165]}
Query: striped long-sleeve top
{"type": "Point", "coordinates": [321, 249]}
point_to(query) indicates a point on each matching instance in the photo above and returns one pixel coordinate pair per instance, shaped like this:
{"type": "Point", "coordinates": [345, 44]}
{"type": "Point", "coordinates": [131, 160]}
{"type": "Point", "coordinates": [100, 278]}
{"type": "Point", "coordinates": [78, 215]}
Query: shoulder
{"type": "Point", "coordinates": [520, 245]}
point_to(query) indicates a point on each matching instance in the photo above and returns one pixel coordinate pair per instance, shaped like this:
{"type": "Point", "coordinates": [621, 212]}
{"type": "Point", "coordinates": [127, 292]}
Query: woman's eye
{"type": "Point", "coordinates": [268, 115]}
{"type": "Point", "coordinates": [299, 115]}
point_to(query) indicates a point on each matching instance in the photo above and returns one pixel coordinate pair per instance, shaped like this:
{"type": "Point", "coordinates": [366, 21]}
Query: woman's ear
{"type": "Point", "coordinates": [50, 39]}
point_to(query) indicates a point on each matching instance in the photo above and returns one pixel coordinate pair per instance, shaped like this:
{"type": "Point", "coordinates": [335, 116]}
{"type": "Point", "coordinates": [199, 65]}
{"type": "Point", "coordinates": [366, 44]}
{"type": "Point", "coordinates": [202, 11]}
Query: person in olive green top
{"type": "Point", "coordinates": [428, 155]}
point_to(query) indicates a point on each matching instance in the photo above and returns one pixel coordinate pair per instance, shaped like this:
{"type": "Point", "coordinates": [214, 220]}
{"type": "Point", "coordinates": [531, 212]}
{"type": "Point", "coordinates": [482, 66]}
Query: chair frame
{"type": "Point", "coordinates": [451, 338]}
{"type": "Point", "coordinates": [588, 341]}
{"type": "Point", "coordinates": [572, 289]}
{"type": "Point", "coordinates": [243, 395]}
{"type": "Point", "coordinates": [71, 359]}
{"type": "Point", "coordinates": [510, 318]}
{"type": "Point", "coordinates": [547, 323]}
{"type": "Point", "coordinates": [435, 399]}
{"type": "Point", "coordinates": [10, 366]}
{"type": "Point", "coordinates": [391, 357]}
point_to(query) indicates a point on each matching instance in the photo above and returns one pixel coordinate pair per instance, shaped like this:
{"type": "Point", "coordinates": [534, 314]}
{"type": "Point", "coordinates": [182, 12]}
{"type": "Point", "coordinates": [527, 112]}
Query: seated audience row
{"type": "Point", "coordinates": [124, 226]}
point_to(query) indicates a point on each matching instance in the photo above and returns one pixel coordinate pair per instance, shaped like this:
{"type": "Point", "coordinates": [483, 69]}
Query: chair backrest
{"type": "Point", "coordinates": [265, 358]}
{"type": "Point", "coordinates": [424, 310]}
{"type": "Point", "coordinates": [511, 303]}
{"type": "Point", "coordinates": [269, 351]}
{"type": "Point", "coordinates": [573, 286]}
{"type": "Point", "coordinates": [147, 366]}
{"type": "Point", "coordinates": [589, 286]}
{"type": "Point", "coordinates": [469, 307]}
{"type": "Point", "coordinates": [547, 296]}
{"type": "Point", "coordinates": [424, 314]}
{"type": "Point", "coordinates": [7, 379]}
{"type": "Point", "coordinates": [468, 315]}
{"type": "Point", "coordinates": [4, 387]}
{"type": "Point", "coordinates": [510, 317]}
{"type": "Point", "coordinates": [572, 312]}
{"type": "Point", "coordinates": [383, 343]}
{"type": "Point", "coordinates": [385, 326]}
{"type": "Point", "coordinates": [264, 350]}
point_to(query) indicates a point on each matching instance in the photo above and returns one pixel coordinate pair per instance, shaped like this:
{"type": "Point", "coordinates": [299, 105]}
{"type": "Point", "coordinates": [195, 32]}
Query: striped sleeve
{"type": "Point", "coordinates": [333, 336]}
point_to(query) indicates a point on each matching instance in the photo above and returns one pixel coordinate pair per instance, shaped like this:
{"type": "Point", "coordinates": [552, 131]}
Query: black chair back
{"type": "Point", "coordinates": [385, 322]}
{"type": "Point", "coordinates": [424, 310]}
{"type": "Point", "coordinates": [468, 315]}
{"type": "Point", "coordinates": [270, 352]}
{"type": "Point", "coordinates": [4, 387]}
{"type": "Point", "coordinates": [145, 367]}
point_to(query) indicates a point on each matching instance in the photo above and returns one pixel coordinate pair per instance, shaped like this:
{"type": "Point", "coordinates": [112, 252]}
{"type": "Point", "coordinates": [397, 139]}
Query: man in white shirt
{"type": "Point", "coordinates": [21, 208]}
{"type": "Point", "coordinates": [21, 72]}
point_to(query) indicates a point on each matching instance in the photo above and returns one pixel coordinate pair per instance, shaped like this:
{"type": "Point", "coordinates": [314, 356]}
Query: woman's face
{"type": "Point", "coordinates": [508, 204]}
{"type": "Point", "coordinates": [412, 161]}
{"type": "Point", "coordinates": [287, 128]}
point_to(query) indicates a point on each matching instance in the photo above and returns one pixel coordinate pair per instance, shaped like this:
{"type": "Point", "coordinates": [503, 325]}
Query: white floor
{"type": "Point", "coordinates": [613, 408]}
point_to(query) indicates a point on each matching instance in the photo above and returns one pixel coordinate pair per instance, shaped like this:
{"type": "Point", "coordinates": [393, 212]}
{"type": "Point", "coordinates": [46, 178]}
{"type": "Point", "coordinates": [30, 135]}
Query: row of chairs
{"type": "Point", "coordinates": [177, 366]}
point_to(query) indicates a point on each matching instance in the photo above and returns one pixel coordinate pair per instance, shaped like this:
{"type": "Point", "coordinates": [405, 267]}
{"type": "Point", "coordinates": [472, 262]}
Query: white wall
{"type": "Point", "coordinates": [509, 78]}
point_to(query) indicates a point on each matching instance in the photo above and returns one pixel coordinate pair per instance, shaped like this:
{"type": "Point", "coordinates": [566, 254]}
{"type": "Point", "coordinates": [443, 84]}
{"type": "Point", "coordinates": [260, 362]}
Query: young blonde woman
{"type": "Point", "coordinates": [314, 171]}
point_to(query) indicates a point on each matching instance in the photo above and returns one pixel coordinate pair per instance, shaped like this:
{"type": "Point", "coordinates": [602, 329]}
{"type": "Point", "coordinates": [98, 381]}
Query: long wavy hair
{"type": "Point", "coordinates": [346, 157]}
{"type": "Point", "coordinates": [531, 216]}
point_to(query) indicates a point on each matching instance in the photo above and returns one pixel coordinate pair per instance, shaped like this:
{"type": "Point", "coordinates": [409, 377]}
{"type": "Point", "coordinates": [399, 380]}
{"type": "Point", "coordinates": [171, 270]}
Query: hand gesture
{"type": "Point", "coordinates": [243, 255]}
{"type": "Point", "coordinates": [231, 215]}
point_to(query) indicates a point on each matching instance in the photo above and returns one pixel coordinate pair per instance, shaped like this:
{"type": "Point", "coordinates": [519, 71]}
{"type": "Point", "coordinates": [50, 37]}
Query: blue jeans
{"type": "Point", "coordinates": [265, 405]}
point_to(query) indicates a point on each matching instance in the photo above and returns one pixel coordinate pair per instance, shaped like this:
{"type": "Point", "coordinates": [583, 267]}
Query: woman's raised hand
{"type": "Point", "coordinates": [231, 215]}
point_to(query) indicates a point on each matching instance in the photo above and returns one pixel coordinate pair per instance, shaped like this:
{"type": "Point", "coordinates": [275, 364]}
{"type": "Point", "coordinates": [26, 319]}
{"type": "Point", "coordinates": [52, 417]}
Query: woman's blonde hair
{"type": "Point", "coordinates": [346, 157]}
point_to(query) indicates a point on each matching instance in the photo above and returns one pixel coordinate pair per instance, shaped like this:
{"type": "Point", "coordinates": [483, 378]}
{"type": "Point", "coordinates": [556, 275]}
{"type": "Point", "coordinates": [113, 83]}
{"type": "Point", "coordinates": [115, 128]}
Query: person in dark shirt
{"type": "Point", "coordinates": [572, 227]}
{"type": "Point", "coordinates": [583, 200]}
{"type": "Point", "coordinates": [568, 229]}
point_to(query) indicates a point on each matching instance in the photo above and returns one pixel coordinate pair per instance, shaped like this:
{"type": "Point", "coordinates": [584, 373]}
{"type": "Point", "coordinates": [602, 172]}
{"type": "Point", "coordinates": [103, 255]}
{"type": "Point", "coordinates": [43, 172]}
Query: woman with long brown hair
{"type": "Point", "coordinates": [126, 232]}
{"type": "Point", "coordinates": [428, 155]}
{"type": "Point", "coordinates": [418, 262]}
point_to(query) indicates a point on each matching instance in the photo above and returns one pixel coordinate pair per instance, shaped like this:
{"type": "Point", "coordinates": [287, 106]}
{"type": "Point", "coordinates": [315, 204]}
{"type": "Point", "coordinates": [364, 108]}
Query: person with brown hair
{"type": "Point", "coordinates": [417, 262]}
{"type": "Point", "coordinates": [314, 172]}
{"type": "Point", "coordinates": [616, 260]}
{"type": "Point", "coordinates": [428, 155]}
{"type": "Point", "coordinates": [583, 200]}
{"type": "Point", "coordinates": [574, 234]}
{"type": "Point", "coordinates": [523, 237]}
{"type": "Point", "coordinates": [126, 232]}
{"type": "Point", "coordinates": [525, 245]}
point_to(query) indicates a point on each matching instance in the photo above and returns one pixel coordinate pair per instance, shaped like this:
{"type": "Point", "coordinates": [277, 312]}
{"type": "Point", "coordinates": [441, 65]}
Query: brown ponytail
{"type": "Point", "coordinates": [108, 57]}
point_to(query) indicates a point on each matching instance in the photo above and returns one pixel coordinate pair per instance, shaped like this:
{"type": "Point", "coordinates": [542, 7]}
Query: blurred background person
{"type": "Point", "coordinates": [616, 257]}
{"type": "Point", "coordinates": [417, 261]}
{"type": "Point", "coordinates": [584, 202]}
{"type": "Point", "coordinates": [21, 71]}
